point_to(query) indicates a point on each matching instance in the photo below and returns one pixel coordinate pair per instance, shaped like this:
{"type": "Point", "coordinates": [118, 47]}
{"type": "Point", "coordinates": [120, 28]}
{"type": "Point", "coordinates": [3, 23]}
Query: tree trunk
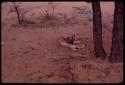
{"type": "Point", "coordinates": [117, 39]}
{"type": "Point", "coordinates": [97, 30]}
{"type": "Point", "coordinates": [18, 15]}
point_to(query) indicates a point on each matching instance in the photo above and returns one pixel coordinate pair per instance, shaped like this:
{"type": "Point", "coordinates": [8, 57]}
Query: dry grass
{"type": "Point", "coordinates": [35, 56]}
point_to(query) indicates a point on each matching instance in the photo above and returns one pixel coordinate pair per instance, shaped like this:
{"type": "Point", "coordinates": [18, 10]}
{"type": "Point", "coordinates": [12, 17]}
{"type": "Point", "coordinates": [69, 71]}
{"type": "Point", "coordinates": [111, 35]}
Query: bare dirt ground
{"type": "Point", "coordinates": [31, 53]}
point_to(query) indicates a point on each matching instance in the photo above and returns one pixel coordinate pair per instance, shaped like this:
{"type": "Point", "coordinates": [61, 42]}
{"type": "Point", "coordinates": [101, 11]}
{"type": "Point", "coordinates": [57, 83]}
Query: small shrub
{"type": "Point", "coordinates": [20, 11]}
{"type": "Point", "coordinates": [29, 22]}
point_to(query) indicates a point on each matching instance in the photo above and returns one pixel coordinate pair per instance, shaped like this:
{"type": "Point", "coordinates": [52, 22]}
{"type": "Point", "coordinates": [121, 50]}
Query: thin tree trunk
{"type": "Point", "coordinates": [18, 16]}
{"type": "Point", "coordinates": [97, 30]}
{"type": "Point", "coordinates": [117, 39]}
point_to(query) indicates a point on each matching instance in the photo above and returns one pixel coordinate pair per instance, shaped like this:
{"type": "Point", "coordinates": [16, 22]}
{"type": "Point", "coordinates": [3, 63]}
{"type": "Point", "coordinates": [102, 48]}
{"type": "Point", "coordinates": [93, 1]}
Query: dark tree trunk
{"type": "Point", "coordinates": [97, 30]}
{"type": "Point", "coordinates": [18, 15]}
{"type": "Point", "coordinates": [117, 39]}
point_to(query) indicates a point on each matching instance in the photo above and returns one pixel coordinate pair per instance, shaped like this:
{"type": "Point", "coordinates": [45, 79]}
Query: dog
{"type": "Point", "coordinates": [70, 42]}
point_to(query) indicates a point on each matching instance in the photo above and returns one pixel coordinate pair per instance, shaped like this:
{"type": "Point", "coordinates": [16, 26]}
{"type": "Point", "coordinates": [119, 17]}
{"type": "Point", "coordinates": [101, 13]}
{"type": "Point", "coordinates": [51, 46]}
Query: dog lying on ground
{"type": "Point", "coordinates": [70, 42]}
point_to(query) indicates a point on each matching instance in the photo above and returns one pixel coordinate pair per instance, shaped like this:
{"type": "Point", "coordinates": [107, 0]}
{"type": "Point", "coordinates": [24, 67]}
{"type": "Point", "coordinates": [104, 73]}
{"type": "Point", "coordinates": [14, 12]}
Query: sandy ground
{"type": "Point", "coordinates": [31, 53]}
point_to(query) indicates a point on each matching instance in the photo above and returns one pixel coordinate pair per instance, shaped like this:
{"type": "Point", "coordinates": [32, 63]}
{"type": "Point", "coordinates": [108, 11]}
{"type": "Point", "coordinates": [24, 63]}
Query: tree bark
{"type": "Point", "coordinates": [97, 30]}
{"type": "Point", "coordinates": [116, 54]}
